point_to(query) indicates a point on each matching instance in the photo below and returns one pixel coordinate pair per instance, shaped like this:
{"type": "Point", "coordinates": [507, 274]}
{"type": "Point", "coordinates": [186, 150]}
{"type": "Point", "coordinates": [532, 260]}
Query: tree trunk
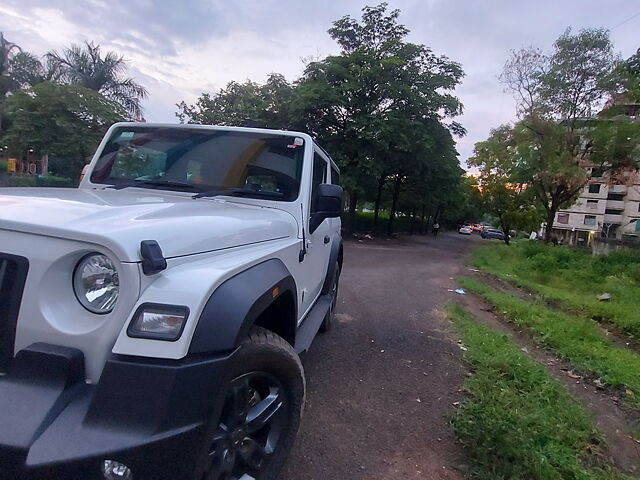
{"type": "Point", "coordinates": [505, 230]}
{"type": "Point", "coordinates": [412, 222]}
{"type": "Point", "coordinates": [551, 215]}
{"type": "Point", "coordinates": [422, 214]}
{"type": "Point", "coordinates": [394, 200]}
{"type": "Point", "coordinates": [376, 208]}
{"type": "Point", "coordinates": [351, 218]}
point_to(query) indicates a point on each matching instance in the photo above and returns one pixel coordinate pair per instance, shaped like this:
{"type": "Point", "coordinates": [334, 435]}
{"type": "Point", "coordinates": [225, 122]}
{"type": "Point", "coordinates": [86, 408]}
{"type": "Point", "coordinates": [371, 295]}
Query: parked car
{"type": "Point", "coordinates": [465, 230]}
{"type": "Point", "coordinates": [490, 233]}
{"type": "Point", "coordinates": [151, 319]}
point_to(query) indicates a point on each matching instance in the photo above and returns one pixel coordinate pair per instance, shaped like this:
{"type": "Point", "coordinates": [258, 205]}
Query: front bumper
{"type": "Point", "coordinates": [151, 415]}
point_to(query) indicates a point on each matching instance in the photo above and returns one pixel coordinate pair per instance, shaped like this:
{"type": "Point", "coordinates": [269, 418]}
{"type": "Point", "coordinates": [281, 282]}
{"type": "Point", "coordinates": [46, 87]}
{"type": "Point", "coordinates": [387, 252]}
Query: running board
{"type": "Point", "coordinates": [311, 324]}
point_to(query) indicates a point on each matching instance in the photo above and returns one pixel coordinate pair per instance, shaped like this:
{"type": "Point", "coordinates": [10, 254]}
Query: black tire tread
{"type": "Point", "coordinates": [260, 335]}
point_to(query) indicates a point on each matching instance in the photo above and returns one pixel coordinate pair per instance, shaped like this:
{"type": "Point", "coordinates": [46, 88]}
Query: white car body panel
{"type": "Point", "coordinates": [120, 220]}
{"type": "Point", "coordinates": [189, 282]}
{"type": "Point", "coordinates": [49, 311]}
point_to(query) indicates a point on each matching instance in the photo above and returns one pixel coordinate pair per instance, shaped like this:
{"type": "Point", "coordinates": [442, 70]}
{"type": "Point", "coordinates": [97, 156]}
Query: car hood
{"type": "Point", "coordinates": [121, 219]}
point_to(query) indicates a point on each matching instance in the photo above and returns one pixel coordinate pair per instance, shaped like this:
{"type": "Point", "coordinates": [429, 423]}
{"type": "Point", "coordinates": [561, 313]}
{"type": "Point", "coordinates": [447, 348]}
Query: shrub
{"type": "Point", "coordinates": [530, 248]}
{"type": "Point", "coordinates": [38, 181]}
{"type": "Point", "coordinates": [542, 262]}
{"type": "Point", "coordinates": [21, 181]}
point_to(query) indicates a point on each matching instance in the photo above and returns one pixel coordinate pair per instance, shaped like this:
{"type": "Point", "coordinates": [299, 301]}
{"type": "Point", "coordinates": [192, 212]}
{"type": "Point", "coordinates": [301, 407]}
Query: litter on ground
{"type": "Point", "coordinates": [459, 291]}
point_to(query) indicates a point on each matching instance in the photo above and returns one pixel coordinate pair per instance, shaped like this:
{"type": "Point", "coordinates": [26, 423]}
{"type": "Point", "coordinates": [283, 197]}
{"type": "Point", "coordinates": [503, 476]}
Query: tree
{"type": "Point", "coordinates": [627, 76]}
{"type": "Point", "coordinates": [559, 134]}
{"type": "Point", "coordinates": [27, 70]}
{"type": "Point", "coordinates": [65, 122]}
{"type": "Point", "coordinates": [371, 104]}
{"type": "Point", "coordinates": [7, 51]}
{"type": "Point", "coordinates": [246, 104]}
{"type": "Point", "coordinates": [510, 201]}
{"type": "Point", "coordinates": [7, 82]}
{"type": "Point", "coordinates": [85, 66]}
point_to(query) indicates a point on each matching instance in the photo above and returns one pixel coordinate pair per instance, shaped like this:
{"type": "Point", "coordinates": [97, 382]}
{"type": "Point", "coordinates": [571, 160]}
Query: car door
{"type": "Point", "coordinates": [319, 241]}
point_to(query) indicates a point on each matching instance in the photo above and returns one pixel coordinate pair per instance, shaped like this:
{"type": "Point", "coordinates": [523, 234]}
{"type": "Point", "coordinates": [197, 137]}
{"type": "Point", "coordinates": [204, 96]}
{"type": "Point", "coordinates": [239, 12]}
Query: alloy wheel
{"type": "Point", "coordinates": [253, 417]}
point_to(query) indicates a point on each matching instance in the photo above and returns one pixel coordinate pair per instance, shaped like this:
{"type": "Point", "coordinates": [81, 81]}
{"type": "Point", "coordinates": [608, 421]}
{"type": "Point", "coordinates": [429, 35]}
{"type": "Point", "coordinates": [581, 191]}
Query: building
{"type": "Point", "coordinates": [606, 208]}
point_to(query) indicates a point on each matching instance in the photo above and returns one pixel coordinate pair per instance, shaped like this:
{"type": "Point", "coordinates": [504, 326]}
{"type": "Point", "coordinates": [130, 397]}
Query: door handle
{"type": "Point", "coordinates": [327, 239]}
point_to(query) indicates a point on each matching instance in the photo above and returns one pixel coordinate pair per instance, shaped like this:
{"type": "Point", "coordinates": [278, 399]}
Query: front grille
{"type": "Point", "coordinates": [13, 274]}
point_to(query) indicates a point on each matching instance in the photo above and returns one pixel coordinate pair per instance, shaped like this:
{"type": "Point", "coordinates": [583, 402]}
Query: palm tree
{"type": "Point", "coordinates": [7, 50]}
{"type": "Point", "coordinates": [83, 65]}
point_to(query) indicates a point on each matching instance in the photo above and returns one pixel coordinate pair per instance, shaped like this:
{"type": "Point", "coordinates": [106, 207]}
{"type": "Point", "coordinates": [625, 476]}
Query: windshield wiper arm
{"type": "Point", "coordinates": [240, 192]}
{"type": "Point", "coordinates": [155, 183]}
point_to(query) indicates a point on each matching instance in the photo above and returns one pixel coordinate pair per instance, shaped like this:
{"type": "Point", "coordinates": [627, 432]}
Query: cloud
{"type": "Point", "coordinates": [181, 49]}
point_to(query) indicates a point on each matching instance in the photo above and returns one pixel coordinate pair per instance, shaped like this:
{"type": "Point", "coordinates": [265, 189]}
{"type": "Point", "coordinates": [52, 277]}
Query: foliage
{"type": "Point", "coordinates": [628, 74]}
{"type": "Point", "coordinates": [512, 203]}
{"type": "Point", "coordinates": [246, 104]}
{"type": "Point", "coordinates": [559, 135]}
{"type": "Point", "coordinates": [37, 181]}
{"type": "Point", "coordinates": [577, 339]}
{"type": "Point", "coordinates": [85, 66]}
{"type": "Point", "coordinates": [80, 119]}
{"type": "Point", "coordinates": [518, 422]}
{"type": "Point", "coordinates": [27, 70]}
{"type": "Point", "coordinates": [572, 278]}
{"type": "Point", "coordinates": [7, 51]}
{"type": "Point", "coordinates": [379, 107]}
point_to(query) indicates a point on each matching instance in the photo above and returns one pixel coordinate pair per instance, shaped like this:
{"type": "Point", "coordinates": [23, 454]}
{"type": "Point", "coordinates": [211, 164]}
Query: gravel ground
{"type": "Point", "coordinates": [383, 380]}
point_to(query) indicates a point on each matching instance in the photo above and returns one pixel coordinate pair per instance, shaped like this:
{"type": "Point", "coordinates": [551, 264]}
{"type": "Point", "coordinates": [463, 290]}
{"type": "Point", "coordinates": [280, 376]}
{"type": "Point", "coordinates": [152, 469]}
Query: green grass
{"type": "Point", "coordinates": [518, 422]}
{"type": "Point", "coordinates": [578, 340]}
{"type": "Point", "coordinates": [571, 278]}
{"type": "Point", "coordinates": [364, 222]}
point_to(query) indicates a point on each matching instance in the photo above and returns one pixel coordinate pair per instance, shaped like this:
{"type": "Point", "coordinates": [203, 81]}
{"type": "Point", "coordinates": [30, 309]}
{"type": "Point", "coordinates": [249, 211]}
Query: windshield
{"type": "Point", "coordinates": [228, 162]}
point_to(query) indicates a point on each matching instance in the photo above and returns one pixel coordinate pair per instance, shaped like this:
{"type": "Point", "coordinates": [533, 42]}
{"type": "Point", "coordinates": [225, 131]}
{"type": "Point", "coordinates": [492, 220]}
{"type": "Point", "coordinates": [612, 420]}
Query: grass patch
{"type": "Point", "coordinates": [578, 340]}
{"type": "Point", "coordinates": [364, 222]}
{"type": "Point", "coordinates": [518, 422]}
{"type": "Point", "coordinates": [572, 278]}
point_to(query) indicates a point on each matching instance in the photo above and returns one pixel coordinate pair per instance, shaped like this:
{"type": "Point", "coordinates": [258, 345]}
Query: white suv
{"type": "Point", "coordinates": [151, 320]}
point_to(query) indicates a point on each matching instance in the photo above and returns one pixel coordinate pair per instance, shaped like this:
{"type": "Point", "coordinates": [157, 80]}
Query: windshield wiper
{"type": "Point", "coordinates": [240, 192]}
{"type": "Point", "coordinates": [155, 184]}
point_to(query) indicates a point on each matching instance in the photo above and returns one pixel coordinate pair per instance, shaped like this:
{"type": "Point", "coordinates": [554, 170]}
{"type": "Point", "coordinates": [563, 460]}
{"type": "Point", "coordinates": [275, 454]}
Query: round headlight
{"type": "Point", "coordinates": [96, 283]}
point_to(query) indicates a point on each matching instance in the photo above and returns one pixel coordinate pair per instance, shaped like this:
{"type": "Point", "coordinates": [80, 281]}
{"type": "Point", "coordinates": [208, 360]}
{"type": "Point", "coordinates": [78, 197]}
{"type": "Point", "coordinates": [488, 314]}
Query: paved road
{"type": "Point", "coordinates": [383, 380]}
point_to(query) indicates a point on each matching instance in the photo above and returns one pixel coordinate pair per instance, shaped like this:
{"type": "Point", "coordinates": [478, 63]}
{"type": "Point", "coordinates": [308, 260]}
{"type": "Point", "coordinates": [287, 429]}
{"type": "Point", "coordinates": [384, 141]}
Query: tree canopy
{"type": "Point", "coordinates": [383, 107]}
{"type": "Point", "coordinates": [80, 119]}
{"type": "Point", "coordinates": [560, 135]}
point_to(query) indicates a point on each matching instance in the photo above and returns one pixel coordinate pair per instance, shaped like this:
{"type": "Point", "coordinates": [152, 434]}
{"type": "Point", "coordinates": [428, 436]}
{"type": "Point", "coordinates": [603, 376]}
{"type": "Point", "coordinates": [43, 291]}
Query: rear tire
{"type": "Point", "coordinates": [261, 412]}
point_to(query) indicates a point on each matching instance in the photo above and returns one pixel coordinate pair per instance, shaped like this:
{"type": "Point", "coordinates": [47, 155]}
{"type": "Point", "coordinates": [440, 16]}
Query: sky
{"type": "Point", "coordinates": [179, 49]}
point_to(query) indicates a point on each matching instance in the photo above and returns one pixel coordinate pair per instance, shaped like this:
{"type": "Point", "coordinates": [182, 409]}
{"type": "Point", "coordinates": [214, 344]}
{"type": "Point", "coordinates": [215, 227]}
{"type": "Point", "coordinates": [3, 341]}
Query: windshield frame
{"type": "Point", "coordinates": [88, 182]}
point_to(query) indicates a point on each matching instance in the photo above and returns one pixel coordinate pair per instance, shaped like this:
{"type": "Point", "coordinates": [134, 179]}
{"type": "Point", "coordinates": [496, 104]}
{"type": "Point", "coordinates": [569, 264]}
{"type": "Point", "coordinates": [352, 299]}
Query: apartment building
{"type": "Point", "coordinates": [606, 208]}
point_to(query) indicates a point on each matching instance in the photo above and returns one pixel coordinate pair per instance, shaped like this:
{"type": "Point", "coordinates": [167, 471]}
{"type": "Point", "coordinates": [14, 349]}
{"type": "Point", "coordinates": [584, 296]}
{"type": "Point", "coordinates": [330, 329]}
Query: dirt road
{"type": "Point", "coordinates": [383, 380]}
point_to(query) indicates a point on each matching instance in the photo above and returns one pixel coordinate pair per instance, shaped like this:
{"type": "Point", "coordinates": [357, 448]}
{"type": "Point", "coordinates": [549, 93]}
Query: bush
{"type": "Point", "coordinates": [21, 181]}
{"type": "Point", "coordinates": [542, 262]}
{"type": "Point", "coordinates": [530, 248]}
{"type": "Point", "coordinates": [3, 165]}
{"type": "Point", "coordinates": [54, 181]}
{"type": "Point", "coordinates": [38, 181]}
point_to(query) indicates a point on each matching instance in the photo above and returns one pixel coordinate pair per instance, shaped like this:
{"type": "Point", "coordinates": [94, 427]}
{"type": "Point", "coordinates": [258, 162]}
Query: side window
{"type": "Point", "coordinates": [335, 176]}
{"type": "Point", "coordinates": [319, 176]}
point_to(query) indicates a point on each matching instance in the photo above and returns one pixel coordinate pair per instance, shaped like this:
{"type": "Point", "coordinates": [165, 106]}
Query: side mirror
{"type": "Point", "coordinates": [328, 204]}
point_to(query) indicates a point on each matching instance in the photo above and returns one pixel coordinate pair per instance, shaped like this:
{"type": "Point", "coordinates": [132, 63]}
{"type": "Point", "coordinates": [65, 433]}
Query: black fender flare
{"type": "Point", "coordinates": [334, 256]}
{"type": "Point", "coordinates": [235, 305]}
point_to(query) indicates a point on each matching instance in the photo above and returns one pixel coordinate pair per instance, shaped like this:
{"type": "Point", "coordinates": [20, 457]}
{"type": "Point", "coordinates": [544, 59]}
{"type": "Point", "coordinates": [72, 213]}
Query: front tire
{"type": "Point", "coordinates": [261, 412]}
